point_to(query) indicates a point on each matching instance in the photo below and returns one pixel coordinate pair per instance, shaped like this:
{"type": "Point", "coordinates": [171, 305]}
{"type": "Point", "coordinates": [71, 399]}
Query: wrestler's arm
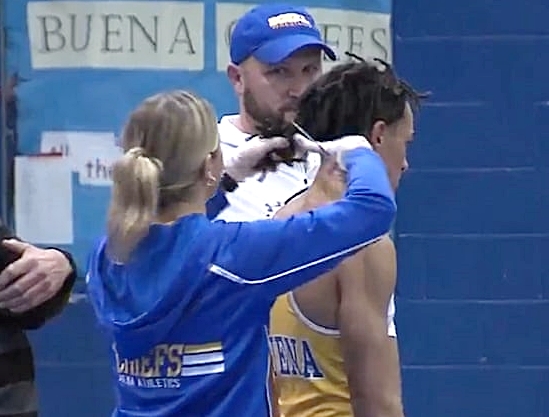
{"type": "Point", "coordinates": [367, 281]}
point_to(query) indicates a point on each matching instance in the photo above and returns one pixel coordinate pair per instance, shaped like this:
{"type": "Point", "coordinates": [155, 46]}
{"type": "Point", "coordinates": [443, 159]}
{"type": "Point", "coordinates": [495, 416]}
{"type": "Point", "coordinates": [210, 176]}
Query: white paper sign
{"type": "Point", "coordinates": [116, 34]}
{"type": "Point", "coordinates": [43, 199]}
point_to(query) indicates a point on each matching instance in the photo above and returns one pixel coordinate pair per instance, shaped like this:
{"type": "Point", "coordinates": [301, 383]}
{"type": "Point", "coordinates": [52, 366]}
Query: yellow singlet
{"type": "Point", "coordinates": [310, 377]}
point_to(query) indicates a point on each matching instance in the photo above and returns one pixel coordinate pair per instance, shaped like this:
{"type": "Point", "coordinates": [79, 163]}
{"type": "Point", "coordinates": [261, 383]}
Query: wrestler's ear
{"type": "Point", "coordinates": [377, 134]}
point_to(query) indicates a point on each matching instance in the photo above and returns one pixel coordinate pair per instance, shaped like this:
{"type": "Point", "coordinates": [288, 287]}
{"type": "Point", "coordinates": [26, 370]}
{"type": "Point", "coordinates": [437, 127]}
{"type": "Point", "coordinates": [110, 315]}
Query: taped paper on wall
{"type": "Point", "coordinates": [43, 199]}
{"type": "Point", "coordinates": [90, 154]}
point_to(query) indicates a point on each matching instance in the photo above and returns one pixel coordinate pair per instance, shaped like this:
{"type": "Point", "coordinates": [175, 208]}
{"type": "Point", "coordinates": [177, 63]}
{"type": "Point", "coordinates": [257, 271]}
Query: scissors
{"type": "Point", "coordinates": [306, 135]}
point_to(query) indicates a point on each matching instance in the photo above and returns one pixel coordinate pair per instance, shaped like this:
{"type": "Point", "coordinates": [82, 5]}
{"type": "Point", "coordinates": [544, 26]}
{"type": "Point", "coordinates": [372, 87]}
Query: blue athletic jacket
{"type": "Point", "coordinates": [187, 316]}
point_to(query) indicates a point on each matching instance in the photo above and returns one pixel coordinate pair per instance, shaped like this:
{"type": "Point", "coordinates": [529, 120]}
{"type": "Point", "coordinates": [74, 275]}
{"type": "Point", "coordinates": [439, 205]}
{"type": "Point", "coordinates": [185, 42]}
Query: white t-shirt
{"type": "Point", "coordinates": [260, 196]}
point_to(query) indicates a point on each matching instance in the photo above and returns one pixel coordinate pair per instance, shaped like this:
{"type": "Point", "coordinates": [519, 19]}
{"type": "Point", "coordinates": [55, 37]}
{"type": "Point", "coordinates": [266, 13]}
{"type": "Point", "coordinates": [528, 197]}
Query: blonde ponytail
{"type": "Point", "coordinates": [134, 202]}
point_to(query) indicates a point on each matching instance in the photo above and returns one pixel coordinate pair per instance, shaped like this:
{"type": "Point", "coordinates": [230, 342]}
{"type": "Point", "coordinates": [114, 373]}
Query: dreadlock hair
{"type": "Point", "coordinates": [351, 97]}
{"type": "Point", "coordinates": [347, 100]}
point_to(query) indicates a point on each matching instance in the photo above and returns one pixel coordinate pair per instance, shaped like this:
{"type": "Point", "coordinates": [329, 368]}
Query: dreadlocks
{"type": "Point", "coordinates": [347, 100]}
{"type": "Point", "coordinates": [350, 98]}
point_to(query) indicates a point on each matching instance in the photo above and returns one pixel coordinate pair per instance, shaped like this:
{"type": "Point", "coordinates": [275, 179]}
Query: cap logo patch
{"type": "Point", "coordinates": [287, 20]}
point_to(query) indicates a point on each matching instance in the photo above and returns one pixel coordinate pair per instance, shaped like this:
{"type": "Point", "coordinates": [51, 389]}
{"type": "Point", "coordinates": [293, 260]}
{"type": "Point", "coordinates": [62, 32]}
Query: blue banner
{"type": "Point", "coordinates": [83, 65]}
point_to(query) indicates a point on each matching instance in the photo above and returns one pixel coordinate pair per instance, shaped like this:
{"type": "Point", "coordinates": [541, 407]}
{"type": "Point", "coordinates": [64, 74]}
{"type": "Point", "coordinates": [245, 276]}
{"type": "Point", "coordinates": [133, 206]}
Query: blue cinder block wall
{"type": "Point", "coordinates": [473, 225]}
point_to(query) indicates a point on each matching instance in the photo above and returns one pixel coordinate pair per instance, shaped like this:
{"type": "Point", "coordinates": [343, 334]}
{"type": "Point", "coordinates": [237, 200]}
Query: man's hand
{"type": "Point", "coordinates": [32, 279]}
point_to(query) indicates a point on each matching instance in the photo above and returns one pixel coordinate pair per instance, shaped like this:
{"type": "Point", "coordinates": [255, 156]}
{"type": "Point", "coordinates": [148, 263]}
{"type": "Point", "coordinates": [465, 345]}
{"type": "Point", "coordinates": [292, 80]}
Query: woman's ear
{"type": "Point", "coordinates": [209, 171]}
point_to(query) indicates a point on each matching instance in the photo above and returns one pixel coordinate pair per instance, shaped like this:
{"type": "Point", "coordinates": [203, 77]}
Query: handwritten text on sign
{"type": "Point", "coordinates": [90, 154]}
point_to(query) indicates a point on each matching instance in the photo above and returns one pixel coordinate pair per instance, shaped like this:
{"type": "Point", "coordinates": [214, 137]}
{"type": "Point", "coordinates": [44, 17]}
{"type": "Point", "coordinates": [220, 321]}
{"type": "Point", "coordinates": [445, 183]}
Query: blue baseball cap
{"type": "Point", "coordinates": [272, 32]}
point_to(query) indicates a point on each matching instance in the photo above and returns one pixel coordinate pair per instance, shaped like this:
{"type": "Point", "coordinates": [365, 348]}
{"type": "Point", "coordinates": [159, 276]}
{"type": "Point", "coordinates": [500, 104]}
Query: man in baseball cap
{"type": "Point", "coordinates": [276, 53]}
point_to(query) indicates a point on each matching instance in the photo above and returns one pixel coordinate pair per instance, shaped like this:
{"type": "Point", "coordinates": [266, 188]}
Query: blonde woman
{"type": "Point", "coordinates": [185, 300]}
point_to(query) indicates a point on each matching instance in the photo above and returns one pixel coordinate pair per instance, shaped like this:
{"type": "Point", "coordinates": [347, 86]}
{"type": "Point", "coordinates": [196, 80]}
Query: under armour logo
{"type": "Point", "coordinates": [271, 207]}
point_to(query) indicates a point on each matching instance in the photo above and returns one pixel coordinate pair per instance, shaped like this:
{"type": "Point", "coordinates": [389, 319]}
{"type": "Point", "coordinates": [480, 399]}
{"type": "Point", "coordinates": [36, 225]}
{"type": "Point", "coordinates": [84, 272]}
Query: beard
{"type": "Point", "coordinates": [263, 116]}
{"type": "Point", "coordinates": [271, 123]}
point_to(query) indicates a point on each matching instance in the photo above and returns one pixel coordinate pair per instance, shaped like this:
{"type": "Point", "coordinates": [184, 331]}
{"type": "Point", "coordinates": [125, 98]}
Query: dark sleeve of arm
{"type": "Point", "coordinates": [216, 204]}
{"type": "Point", "coordinates": [37, 316]}
{"type": "Point", "coordinates": [276, 256]}
{"type": "Point", "coordinates": [52, 307]}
